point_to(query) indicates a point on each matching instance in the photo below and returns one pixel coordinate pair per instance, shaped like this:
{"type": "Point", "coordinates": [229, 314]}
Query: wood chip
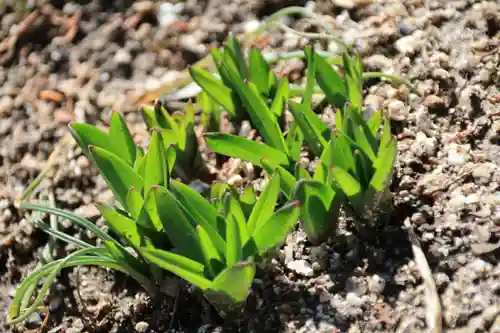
{"type": "Point", "coordinates": [51, 96]}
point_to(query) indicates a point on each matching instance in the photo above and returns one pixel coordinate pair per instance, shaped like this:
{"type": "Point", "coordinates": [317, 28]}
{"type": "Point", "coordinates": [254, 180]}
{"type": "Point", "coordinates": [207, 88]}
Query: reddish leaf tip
{"type": "Point", "coordinates": [245, 81]}
{"type": "Point", "coordinates": [132, 189]}
{"type": "Point", "coordinates": [155, 187]}
{"type": "Point", "coordinates": [295, 203]}
{"type": "Point", "coordinates": [91, 147]}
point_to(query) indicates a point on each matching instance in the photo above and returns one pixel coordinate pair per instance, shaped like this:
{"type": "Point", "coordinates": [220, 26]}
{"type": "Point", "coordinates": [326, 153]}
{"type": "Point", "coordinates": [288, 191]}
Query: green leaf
{"type": "Point", "coordinates": [134, 202]}
{"type": "Point", "coordinates": [78, 220]}
{"type": "Point", "coordinates": [364, 168]}
{"type": "Point", "coordinates": [87, 135]}
{"type": "Point", "coordinates": [319, 209]}
{"type": "Point", "coordinates": [339, 119]}
{"type": "Point", "coordinates": [121, 139]}
{"type": "Point", "coordinates": [315, 121]}
{"type": "Point", "coordinates": [233, 207]}
{"type": "Point", "coordinates": [365, 130]}
{"type": "Point", "coordinates": [342, 154]}
{"type": "Point", "coordinates": [233, 249]}
{"type": "Point", "coordinates": [386, 136]}
{"type": "Point", "coordinates": [148, 217]}
{"type": "Point", "coordinates": [327, 157]}
{"type": "Point", "coordinates": [156, 170]}
{"type": "Point", "coordinates": [272, 232]}
{"type": "Point", "coordinates": [235, 146]}
{"type": "Point", "coordinates": [273, 83]}
{"type": "Point", "coordinates": [178, 225]}
{"type": "Point", "coordinates": [312, 134]}
{"type": "Point", "coordinates": [185, 268]}
{"type": "Point", "coordinates": [320, 173]}
{"type": "Point", "coordinates": [264, 207]}
{"type": "Point", "coordinates": [294, 140]}
{"type": "Point", "coordinates": [233, 48]}
{"type": "Point", "coordinates": [118, 175]}
{"type": "Point", "coordinates": [353, 80]}
{"type": "Point", "coordinates": [330, 82]}
{"type": "Point", "coordinates": [202, 212]}
{"type": "Point", "coordinates": [311, 69]}
{"type": "Point", "coordinates": [287, 179]}
{"type": "Point", "coordinates": [363, 143]}
{"type": "Point", "coordinates": [301, 172]}
{"type": "Point", "coordinates": [148, 115]}
{"type": "Point", "coordinates": [165, 120]}
{"type": "Point", "coordinates": [139, 157]}
{"type": "Point", "coordinates": [263, 119]}
{"type": "Point", "coordinates": [210, 252]}
{"type": "Point", "coordinates": [224, 293]}
{"type": "Point", "coordinates": [259, 112]}
{"type": "Point", "coordinates": [214, 88]}
{"type": "Point", "coordinates": [120, 224]}
{"type": "Point", "coordinates": [279, 101]}
{"type": "Point", "coordinates": [126, 260]}
{"type": "Point", "coordinates": [349, 185]}
{"type": "Point", "coordinates": [247, 200]}
{"type": "Point", "coordinates": [374, 122]}
{"type": "Point", "coordinates": [385, 166]}
{"type": "Point", "coordinates": [259, 71]}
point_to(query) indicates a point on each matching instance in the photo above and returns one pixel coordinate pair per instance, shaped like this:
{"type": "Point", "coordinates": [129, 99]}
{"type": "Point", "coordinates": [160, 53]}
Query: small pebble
{"type": "Point", "coordinates": [141, 327]}
{"type": "Point", "coordinates": [301, 267]}
{"type": "Point", "coordinates": [458, 154]}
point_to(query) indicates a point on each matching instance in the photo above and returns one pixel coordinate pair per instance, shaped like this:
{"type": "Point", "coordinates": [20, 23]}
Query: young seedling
{"type": "Point", "coordinates": [361, 161]}
{"type": "Point", "coordinates": [130, 174]}
{"type": "Point", "coordinates": [232, 71]}
{"type": "Point", "coordinates": [163, 223]}
{"type": "Point", "coordinates": [179, 131]}
{"type": "Point", "coordinates": [216, 250]}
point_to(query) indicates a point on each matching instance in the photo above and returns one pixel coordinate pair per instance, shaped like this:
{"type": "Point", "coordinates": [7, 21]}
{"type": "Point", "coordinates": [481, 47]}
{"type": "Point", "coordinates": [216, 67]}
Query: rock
{"type": "Point", "coordinates": [356, 285]}
{"type": "Point", "coordinates": [440, 74]}
{"type": "Point", "coordinates": [397, 110]}
{"type": "Point", "coordinates": [376, 284]}
{"type": "Point", "coordinates": [424, 146]}
{"type": "Point", "coordinates": [145, 61]}
{"type": "Point", "coordinates": [142, 327]}
{"type": "Point", "coordinates": [143, 7]}
{"type": "Point", "coordinates": [122, 57]}
{"type": "Point", "coordinates": [458, 154]}
{"type": "Point", "coordinates": [301, 267]}
{"type": "Point", "coordinates": [251, 25]}
{"type": "Point", "coordinates": [407, 26]}
{"type": "Point", "coordinates": [325, 297]}
{"type": "Point", "coordinates": [192, 43]}
{"type": "Point", "coordinates": [374, 101]}
{"type": "Point", "coordinates": [482, 173]}
{"type": "Point", "coordinates": [434, 102]}
{"type": "Point", "coordinates": [6, 105]}
{"type": "Point", "coordinates": [235, 180]}
{"type": "Point", "coordinates": [169, 13]}
{"type": "Point", "coordinates": [410, 44]}
{"type": "Point", "coordinates": [378, 62]}
{"type": "Point", "coordinates": [88, 211]}
{"type": "Point", "coordinates": [349, 4]}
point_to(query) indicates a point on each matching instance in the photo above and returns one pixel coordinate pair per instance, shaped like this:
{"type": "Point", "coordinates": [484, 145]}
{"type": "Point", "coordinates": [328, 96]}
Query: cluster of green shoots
{"type": "Point", "coordinates": [158, 225]}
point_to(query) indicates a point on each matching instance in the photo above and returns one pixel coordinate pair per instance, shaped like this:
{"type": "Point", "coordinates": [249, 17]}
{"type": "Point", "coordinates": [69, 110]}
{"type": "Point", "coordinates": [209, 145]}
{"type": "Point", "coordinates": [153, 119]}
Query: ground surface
{"type": "Point", "coordinates": [98, 56]}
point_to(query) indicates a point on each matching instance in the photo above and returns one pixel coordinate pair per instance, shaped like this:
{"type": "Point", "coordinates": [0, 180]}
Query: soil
{"type": "Point", "coordinates": [77, 60]}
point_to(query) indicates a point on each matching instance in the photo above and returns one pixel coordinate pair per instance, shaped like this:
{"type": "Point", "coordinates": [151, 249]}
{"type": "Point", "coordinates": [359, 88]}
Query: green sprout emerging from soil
{"type": "Point", "coordinates": [159, 226]}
